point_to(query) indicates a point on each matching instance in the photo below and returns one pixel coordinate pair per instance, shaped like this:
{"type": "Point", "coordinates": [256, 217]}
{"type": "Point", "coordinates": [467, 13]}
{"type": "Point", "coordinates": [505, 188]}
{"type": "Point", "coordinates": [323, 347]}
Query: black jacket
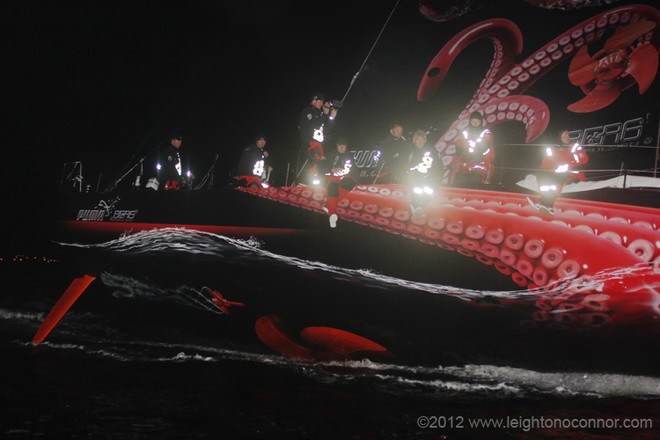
{"type": "Point", "coordinates": [312, 119]}
{"type": "Point", "coordinates": [424, 163]}
{"type": "Point", "coordinates": [249, 164]}
{"type": "Point", "coordinates": [345, 161]}
{"type": "Point", "coordinates": [393, 156]}
{"type": "Point", "coordinates": [168, 159]}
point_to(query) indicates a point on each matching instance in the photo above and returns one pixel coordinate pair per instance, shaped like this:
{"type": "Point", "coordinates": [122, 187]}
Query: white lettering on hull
{"type": "Point", "coordinates": [94, 215]}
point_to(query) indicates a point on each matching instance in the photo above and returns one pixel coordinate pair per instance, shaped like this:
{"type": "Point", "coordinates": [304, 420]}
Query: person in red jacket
{"type": "Point", "coordinates": [559, 163]}
{"type": "Point", "coordinates": [474, 151]}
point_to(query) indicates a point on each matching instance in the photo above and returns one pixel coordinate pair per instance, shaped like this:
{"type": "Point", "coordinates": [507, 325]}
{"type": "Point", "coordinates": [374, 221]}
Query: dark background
{"type": "Point", "coordinates": [105, 83]}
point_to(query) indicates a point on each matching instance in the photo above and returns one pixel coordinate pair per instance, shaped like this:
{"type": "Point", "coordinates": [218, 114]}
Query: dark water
{"type": "Point", "coordinates": [145, 354]}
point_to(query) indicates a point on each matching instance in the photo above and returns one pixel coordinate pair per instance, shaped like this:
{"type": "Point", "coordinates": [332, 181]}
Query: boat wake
{"type": "Point", "coordinates": [204, 245]}
{"type": "Point", "coordinates": [448, 382]}
{"type": "Point", "coordinates": [242, 302]}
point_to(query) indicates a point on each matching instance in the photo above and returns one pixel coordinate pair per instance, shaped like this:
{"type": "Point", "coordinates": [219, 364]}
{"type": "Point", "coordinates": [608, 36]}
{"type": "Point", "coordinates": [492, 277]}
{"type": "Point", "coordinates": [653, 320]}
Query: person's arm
{"type": "Point", "coordinates": [461, 145]}
{"type": "Point", "coordinates": [246, 163]}
{"type": "Point", "coordinates": [488, 149]}
{"type": "Point", "coordinates": [327, 119]}
{"type": "Point", "coordinates": [267, 164]}
{"type": "Point", "coordinates": [307, 124]}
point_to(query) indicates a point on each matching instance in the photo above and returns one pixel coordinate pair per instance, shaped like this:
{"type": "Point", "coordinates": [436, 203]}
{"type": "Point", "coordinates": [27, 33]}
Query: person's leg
{"type": "Point", "coordinates": [550, 184]}
{"type": "Point", "coordinates": [454, 167]}
{"type": "Point", "coordinates": [315, 152]}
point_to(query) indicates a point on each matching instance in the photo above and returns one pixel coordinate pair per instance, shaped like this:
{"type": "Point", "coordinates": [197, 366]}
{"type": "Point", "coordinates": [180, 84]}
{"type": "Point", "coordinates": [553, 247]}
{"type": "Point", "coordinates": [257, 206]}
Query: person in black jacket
{"type": "Point", "coordinates": [341, 175]}
{"type": "Point", "coordinates": [170, 165]}
{"type": "Point", "coordinates": [254, 165]}
{"type": "Point", "coordinates": [391, 155]}
{"type": "Point", "coordinates": [425, 171]}
{"type": "Point", "coordinates": [313, 126]}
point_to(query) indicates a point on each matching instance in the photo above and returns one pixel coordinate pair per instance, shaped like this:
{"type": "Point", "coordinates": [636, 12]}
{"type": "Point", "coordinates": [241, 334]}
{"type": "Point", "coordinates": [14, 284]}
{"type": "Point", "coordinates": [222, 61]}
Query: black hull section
{"type": "Point", "coordinates": [283, 229]}
{"type": "Point", "coordinates": [287, 228]}
{"type": "Point", "coordinates": [222, 208]}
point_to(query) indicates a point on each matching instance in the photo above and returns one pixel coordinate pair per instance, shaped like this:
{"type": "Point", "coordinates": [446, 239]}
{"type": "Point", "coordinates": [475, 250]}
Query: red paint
{"type": "Point", "coordinates": [315, 343]}
{"type": "Point", "coordinates": [504, 232]}
{"type": "Point", "coordinates": [70, 295]}
{"type": "Point", "coordinates": [119, 228]}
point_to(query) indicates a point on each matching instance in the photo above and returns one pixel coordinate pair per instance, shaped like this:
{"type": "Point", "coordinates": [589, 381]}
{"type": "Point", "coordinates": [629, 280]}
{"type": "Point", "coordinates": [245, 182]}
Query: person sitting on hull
{"type": "Point", "coordinates": [341, 176]}
{"type": "Point", "coordinates": [558, 165]}
{"type": "Point", "coordinates": [474, 153]}
{"type": "Point", "coordinates": [254, 167]}
{"type": "Point", "coordinates": [425, 172]}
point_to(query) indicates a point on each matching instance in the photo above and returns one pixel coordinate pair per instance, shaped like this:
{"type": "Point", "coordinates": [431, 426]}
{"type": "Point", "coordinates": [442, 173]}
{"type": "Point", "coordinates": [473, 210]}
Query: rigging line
{"type": "Point", "coordinates": [594, 146]}
{"type": "Point", "coordinates": [212, 98]}
{"type": "Point", "coordinates": [155, 147]}
{"type": "Point", "coordinates": [603, 170]}
{"type": "Point", "coordinates": [171, 105]}
{"type": "Point", "coordinates": [204, 105]}
{"type": "Point", "coordinates": [370, 50]}
{"type": "Point", "coordinates": [153, 128]}
{"type": "Point", "coordinates": [657, 151]}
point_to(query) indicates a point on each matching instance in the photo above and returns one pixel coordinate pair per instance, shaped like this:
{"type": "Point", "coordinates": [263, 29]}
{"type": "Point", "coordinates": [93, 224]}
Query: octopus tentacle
{"type": "Point", "coordinates": [558, 258]}
{"type": "Point", "coordinates": [505, 79]}
{"type": "Point", "coordinates": [507, 42]}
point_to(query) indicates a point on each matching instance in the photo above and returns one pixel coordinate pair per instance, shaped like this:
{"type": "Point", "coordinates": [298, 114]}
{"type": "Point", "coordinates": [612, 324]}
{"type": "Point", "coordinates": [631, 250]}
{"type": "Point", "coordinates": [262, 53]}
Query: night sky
{"type": "Point", "coordinates": [106, 82]}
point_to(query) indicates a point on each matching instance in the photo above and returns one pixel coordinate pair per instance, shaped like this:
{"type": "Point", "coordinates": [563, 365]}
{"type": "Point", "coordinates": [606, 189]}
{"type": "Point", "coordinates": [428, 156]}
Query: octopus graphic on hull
{"type": "Point", "coordinates": [590, 263]}
{"type": "Point", "coordinates": [629, 56]}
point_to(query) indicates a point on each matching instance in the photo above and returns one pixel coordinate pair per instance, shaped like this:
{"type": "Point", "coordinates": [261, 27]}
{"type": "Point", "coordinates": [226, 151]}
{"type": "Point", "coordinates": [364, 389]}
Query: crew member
{"type": "Point", "coordinates": [341, 176]}
{"type": "Point", "coordinates": [313, 126]}
{"type": "Point", "coordinates": [425, 171]}
{"type": "Point", "coordinates": [560, 162]}
{"type": "Point", "coordinates": [170, 166]}
{"type": "Point", "coordinates": [474, 151]}
{"type": "Point", "coordinates": [254, 166]}
{"type": "Point", "coordinates": [391, 155]}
